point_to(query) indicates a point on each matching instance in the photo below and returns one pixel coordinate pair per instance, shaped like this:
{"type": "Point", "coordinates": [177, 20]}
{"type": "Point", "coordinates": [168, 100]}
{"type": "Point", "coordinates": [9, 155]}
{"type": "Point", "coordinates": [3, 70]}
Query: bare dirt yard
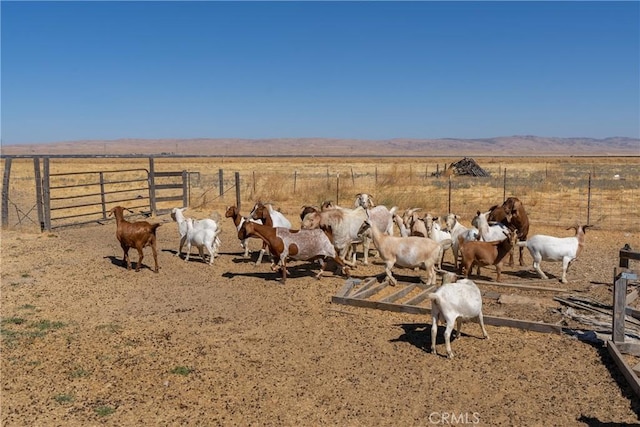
{"type": "Point", "coordinates": [86, 342]}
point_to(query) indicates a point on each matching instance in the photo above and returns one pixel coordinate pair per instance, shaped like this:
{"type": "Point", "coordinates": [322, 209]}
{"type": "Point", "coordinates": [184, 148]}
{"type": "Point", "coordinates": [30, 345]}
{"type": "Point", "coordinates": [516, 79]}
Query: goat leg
{"type": "Point", "coordinates": [140, 257]}
{"type": "Point", "coordinates": [155, 257]}
{"type": "Point", "coordinates": [125, 258]}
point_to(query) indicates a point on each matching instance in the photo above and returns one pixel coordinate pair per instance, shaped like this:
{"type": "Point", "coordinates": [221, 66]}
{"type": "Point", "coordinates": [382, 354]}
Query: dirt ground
{"type": "Point", "coordinates": [86, 342]}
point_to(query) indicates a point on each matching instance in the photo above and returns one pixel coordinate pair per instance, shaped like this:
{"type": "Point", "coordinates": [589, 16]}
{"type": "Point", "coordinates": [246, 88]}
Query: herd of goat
{"type": "Point", "coordinates": [331, 231]}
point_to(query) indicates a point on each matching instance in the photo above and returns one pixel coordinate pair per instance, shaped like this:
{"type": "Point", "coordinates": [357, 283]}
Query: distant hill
{"type": "Point", "coordinates": [507, 146]}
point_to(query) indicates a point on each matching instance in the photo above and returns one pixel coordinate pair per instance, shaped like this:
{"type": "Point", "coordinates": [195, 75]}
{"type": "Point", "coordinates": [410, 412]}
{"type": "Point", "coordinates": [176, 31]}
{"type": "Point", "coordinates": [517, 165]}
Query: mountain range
{"type": "Point", "coordinates": [518, 145]}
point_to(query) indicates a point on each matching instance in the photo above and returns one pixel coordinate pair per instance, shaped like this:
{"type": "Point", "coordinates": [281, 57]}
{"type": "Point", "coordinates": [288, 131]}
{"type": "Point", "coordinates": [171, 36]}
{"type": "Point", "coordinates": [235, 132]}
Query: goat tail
{"type": "Point", "coordinates": [434, 297]}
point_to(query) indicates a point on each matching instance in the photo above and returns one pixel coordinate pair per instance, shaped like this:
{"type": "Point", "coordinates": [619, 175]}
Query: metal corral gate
{"type": "Point", "coordinates": [76, 198]}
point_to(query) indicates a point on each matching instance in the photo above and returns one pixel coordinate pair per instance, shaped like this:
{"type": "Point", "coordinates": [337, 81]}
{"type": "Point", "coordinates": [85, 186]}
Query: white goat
{"type": "Point", "coordinates": [365, 200]}
{"type": "Point", "coordinates": [177, 214]}
{"type": "Point", "coordinates": [489, 232]}
{"type": "Point", "coordinates": [409, 252]}
{"type": "Point", "coordinates": [435, 232]}
{"type": "Point", "coordinates": [404, 231]}
{"type": "Point", "coordinates": [452, 303]}
{"type": "Point", "coordinates": [202, 237]}
{"type": "Point", "coordinates": [549, 248]}
{"type": "Point", "coordinates": [456, 229]}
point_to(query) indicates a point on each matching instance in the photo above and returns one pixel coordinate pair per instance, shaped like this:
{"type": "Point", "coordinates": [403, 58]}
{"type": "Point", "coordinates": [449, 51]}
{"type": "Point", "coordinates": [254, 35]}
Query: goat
{"type": "Point", "coordinates": [415, 224]}
{"type": "Point", "coordinates": [177, 214]}
{"type": "Point", "coordinates": [308, 209]}
{"type": "Point", "coordinates": [137, 235]}
{"type": "Point", "coordinates": [456, 229]}
{"type": "Point", "coordinates": [365, 200]}
{"type": "Point", "coordinates": [453, 302]}
{"type": "Point", "coordinates": [410, 252]}
{"type": "Point", "coordinates": [202, 237]}
{"type": "Point", "coordinates": [549, 248]}
{"type": "Point", "coordinates": [435, 232]}
{"type": "Point", "coordinates": [340, 224]}
{"type": "Point", "coordinates": [302, 245]}
{"type": "Point", "coordinates": [379, 215]}
{"type": "Point", "coordinates": [233, 213]}
{"type": "Point", "coordinates": [404, 231]}
{"type": "Point", "coordinates": [512, 214]}
{"type": "Point", "coordinates": [485, 253]}
{"type": "Point", "coordinates": [269, 216]}
{"type": "Point", "coordinates": [489, 232]}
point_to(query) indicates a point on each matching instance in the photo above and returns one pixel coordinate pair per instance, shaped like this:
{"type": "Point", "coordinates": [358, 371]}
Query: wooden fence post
{"type": "Point", "coordinates": [36, 174]}
{"type": "Point", "coordinates": [103, 199]}
{"type": "Point", "coordinates": [46, 193]}
{"type": "Point", "coordinates": [152, 186]}
{"type": "Point", "coordinates": [295, 178]}
{"type": "Point", "coordinates": [504, 186]}
{"type": "Point", "coordinates": [186, 189]}
{"type": "Point", "coordinates": [449, 205]}
{"type": "Point", "coordinates": [589, 200]}
{"type": "Point", "coordinates": [5, 192]}
{"type": "Point", "coordinates": [238, 190]}
{"type": "Point", "coordinates": [221, 181]}
{"type": "Point", "coordinates": [620, 291]}
{"type": "Point", "coordinates": [338, 189]}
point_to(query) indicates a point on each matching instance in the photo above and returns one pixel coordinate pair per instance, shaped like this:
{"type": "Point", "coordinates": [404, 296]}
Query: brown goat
{"type": "Point", "coordinates": [135, 235]}
{"type": "Point", "coordinates": [304, 245]}
{"type": "Point", "coordinates": [485, 253]}
{"type": "Point", "coordinates": [512, 214]}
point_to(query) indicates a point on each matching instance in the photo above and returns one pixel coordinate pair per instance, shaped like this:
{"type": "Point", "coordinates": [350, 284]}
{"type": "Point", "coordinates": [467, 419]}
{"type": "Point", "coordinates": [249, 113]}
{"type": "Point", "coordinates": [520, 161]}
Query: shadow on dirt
{"type": "Point", "coordinates": [419, 335]}
{"type": "Point", "coordinates": [119, 262]}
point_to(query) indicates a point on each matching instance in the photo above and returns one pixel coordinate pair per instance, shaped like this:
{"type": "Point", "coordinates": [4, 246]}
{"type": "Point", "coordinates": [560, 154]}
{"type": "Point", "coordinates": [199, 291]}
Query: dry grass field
{"type": "Point", "coordinates": [86, 342]}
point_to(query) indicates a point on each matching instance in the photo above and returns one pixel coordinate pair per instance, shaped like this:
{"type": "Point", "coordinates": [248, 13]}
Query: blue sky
{"type": "Point", "coordinates": [364, 70]}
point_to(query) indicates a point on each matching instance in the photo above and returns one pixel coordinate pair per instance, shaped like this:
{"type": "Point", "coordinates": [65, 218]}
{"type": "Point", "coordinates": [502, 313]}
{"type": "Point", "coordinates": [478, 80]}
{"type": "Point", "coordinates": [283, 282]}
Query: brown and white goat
{"type": "Point", "coordinates": [233, 213]}
{"type": "Point", "coordinates": [480, 253]}
{"type": "Point", "coordinates": [135, 235]}
{"type": "Point", "coordinates": [301, 245]}
{"type": "Point", "coordinates": [512, 214]}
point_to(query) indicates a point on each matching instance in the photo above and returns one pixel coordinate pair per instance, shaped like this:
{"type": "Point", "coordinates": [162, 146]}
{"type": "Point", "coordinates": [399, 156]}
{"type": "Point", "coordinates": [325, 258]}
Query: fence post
{"type": "Point", "coordinates": [254, 182]}
{"type": "Point", "coordinates": [376, 175]}
{"type": "Point", "coordinates": [328, 182]}
{"type": "Point", "coordinates": [589, 201]}
{"type": "Point", "coordinates": [449, 205]}
{"type": "Point", "coordinates": [338, 189]}
{"type": "Point", "coordinates": [38, 177]}
{"type": "Point", "coordinates": [221, 181]}
{"type": "Point", "coordinates": [152, 186]}
{"type": "Point", "coordinates": [46, 194]}
{"type": "Point", "coordinates": [504, 186]}
{"type": "Point", "coordinates": [619, 302]}
{"type": "Point", "coordinates": [353, 178]}
{"type": "Point", "coordinates": [238, 190]}
{"type": "Point", "coordinates": [186, 189]}
{"type": "Point", "coordinates": [5, 192]}
{"type": "Point", "coordinates": [103, 200]}
{"type": "Point", "coordinates": [295, 178]}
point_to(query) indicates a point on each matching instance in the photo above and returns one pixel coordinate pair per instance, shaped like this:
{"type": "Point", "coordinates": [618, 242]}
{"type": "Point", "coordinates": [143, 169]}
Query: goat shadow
{"type": "Point", "coordinates": [304, 269]}
{"type": "Point", "coordinates": [119, 262]}
{"type": "Point", "coordinates": [419, 335]}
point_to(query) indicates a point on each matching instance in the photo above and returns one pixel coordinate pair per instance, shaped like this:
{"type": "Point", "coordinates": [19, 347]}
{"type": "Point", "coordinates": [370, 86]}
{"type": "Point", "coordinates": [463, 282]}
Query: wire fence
{"type": "Point", "coordinates": [558, 193]}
